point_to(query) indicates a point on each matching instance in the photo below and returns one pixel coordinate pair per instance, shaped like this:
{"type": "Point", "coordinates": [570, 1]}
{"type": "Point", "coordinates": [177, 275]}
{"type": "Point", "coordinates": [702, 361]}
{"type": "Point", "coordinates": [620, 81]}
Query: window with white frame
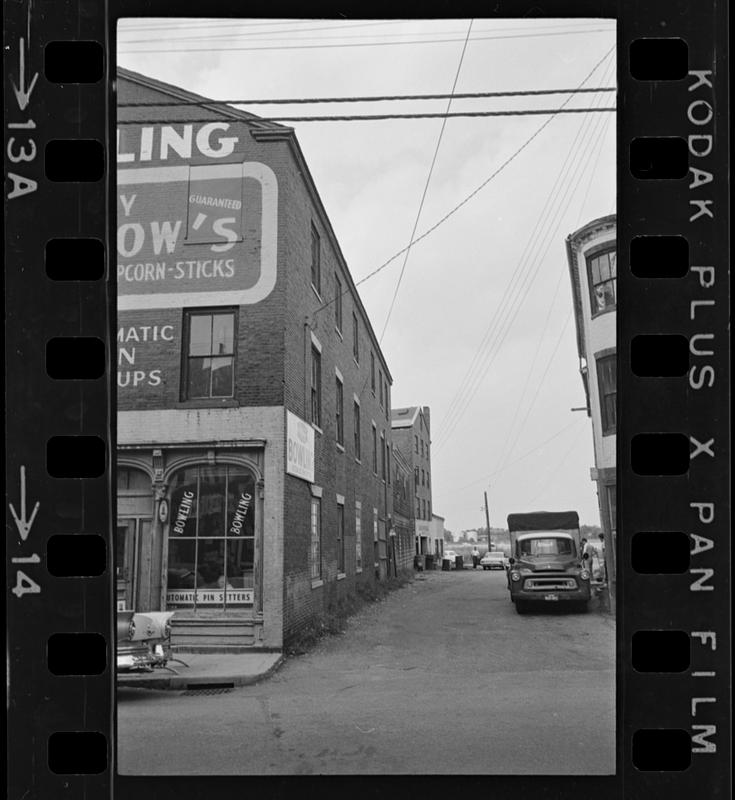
{"type": "Point", "coordinates": [316, 538]}
{"type": "Point", "coordinates": [602, 274]}
{"type": "Point", "coordinates": [607, 384]}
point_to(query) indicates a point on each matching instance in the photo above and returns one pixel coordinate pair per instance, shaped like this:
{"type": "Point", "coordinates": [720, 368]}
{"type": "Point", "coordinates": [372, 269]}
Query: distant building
{"type": "Point", "coordinates": [592, 256]}
{"type": "Point", "coordinates": [403, 531]}
{"type": "Point", "coordinates": [411, 429]}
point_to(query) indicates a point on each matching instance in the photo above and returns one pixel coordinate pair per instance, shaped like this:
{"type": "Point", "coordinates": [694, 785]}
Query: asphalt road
{"type": "Point", "coordinates": [443, 677]}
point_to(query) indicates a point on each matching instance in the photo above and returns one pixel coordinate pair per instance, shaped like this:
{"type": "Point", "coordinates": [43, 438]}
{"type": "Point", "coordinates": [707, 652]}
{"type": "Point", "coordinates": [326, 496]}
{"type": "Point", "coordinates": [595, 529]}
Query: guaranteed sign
{"type": "Point", "coordinates": [202, 234]}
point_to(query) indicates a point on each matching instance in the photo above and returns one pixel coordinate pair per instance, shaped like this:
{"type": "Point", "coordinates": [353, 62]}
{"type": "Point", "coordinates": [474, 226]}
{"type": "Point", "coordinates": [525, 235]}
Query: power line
{"type": "Point", "coordinates": [519, 459]}
{"type": "Point", "coordinates": [468, 197]}
{"type": "Point", "coordinates": [367, 99]}
{"type": "Point", "coordinates": [426, 185]}
{"type": "Point", "coordinates": [506, 451]}
{"type": "Point", "coordinates": [358, 44]}
{"type": "Point", "coordinates": [552, 112]}
{"type": "Point", "coordinates": [494, 335]}
{"type": "Point", "coordinates": [590, 146]}
{"type": "Point", "coordinates": [554, 472]}
{"type": "Point", "coordinates": [265, 34]}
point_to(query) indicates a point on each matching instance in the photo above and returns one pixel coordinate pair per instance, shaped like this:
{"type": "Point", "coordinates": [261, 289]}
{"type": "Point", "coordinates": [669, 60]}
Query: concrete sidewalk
{"type": "Point", "coordinates": [206, 669]}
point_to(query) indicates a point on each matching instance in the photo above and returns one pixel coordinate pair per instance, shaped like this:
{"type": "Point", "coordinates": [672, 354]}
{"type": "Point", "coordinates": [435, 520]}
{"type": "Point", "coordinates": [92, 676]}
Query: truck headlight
{"type": "Point", "coordinates": [584, 575]}
{"type": "Point", "coordinates": [515, 576]}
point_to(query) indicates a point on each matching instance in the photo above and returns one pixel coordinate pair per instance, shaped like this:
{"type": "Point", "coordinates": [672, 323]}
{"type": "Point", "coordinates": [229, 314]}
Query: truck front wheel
{"type": "Point", "coordinates": [522, 606]}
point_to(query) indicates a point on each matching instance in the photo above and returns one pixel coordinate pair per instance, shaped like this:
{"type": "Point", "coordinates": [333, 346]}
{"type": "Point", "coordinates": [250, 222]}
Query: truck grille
{"type": "Point", "coordinates": [550, 584]}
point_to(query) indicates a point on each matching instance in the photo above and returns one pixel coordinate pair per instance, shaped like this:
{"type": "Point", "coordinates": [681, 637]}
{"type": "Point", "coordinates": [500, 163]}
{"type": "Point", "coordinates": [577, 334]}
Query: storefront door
{"type": "Point", "coordinates": [131, 535]}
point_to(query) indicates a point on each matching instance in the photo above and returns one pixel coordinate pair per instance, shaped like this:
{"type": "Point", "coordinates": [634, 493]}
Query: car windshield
{"type": "Point", "coordinates": [551, 546]}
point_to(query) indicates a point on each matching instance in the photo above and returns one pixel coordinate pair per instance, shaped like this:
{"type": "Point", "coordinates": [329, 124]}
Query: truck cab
{"type": "Point", "coordinates": [546, 562]}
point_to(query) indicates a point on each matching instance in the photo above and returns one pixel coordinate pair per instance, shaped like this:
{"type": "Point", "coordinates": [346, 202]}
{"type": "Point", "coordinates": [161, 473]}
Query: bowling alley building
{"type": "Point", "coordinates": [254, 448]}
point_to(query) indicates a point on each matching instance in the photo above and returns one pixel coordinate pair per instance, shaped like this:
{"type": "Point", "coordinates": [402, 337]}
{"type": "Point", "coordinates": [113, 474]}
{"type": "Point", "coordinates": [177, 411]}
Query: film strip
{"type": "Point", "coordinates": [673, 549]}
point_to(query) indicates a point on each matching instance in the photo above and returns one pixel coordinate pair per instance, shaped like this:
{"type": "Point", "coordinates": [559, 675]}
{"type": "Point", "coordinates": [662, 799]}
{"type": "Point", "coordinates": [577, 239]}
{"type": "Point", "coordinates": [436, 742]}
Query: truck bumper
{"type": "Point", "coordinates": [551, 595]}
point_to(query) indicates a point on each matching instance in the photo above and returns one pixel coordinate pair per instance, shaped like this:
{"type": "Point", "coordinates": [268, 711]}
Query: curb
{"type": "Point", "coordinates": [179, 682]}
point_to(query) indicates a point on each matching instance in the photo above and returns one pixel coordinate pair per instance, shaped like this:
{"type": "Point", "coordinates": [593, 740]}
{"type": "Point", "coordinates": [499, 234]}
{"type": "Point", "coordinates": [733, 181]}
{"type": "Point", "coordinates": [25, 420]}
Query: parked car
{"type": "Point", "coordinates": [143, 640]}
{"type": "Point", "coordinates": [493, 559]}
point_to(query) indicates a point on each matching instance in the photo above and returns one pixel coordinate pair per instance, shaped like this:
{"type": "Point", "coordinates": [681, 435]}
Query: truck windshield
{"type": "Point", "coordinates": [546, 547]}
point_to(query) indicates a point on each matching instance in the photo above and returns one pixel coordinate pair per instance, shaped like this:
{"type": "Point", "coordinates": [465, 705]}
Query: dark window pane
{"type": "Point", "coordinates": [212, 488]}
{"type": "Point", "coordinates": [210, 565]}
{"type": "Point", "coordinates": [222, 377]}
{"type": "Point", "coordinates": [181, 563]}
{"type": "Point", "coordinates": [199, 376]}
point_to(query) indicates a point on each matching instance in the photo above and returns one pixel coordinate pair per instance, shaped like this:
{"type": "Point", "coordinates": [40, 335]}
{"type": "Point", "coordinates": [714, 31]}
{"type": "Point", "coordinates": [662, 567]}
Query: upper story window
{"type": "Point", "coordinates": [316, 260]}
{"type": "Point", "coordinates": [387, 403]}
{"type": "Point", "coordinates": [210, 355]}
{"type": "Point", "coordinates": [375, 449]}
{"type": "Point", "coordinates": [316, 539]}
{"type": "Point", "coordinates": [355, 338]}
{"type": "Point", "coordinates": [416, 443]}
{"type": "Point", "coordinates": [601, 276]}
{"type": "Point", "coordinates": [606, 381]}
{"type": "Point", "coordinates": [422, 448]}
{"type": "Point", "coordinates": [356, 428]}
{"type": "Point", "coordinates": [380, 382]}
{"type": "Point", "coordinates": [339, 411]}
{"type": "Point", "coordinates": [338, 303]}
{"type": "Point", "coordinates": [316, 387]}
{"type": "Point", "coordinates": [383, 463]}
{"type": "Point", "coordinates": [372, 371]}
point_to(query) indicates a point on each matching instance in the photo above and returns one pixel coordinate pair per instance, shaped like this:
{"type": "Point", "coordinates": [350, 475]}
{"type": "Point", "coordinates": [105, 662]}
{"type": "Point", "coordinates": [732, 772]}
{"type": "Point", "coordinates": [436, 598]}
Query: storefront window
{"type": "Point", "coordinates": [211, 550]}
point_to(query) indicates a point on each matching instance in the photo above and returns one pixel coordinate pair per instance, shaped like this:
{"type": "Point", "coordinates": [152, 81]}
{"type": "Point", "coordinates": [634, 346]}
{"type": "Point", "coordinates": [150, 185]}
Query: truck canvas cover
{"type": "Point", "coordinates": [544, 521]}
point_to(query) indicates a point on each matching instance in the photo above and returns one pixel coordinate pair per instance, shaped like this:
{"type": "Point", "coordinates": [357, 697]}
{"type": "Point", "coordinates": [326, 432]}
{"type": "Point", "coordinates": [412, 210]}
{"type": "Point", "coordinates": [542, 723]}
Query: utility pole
{"type": "Point", "coordinates": [487, 520]}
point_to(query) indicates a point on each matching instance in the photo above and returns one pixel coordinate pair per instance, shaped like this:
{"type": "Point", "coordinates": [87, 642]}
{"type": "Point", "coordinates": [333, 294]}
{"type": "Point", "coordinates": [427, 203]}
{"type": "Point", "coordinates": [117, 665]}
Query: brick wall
{"type": "Point", "coordinates": [273, 365]}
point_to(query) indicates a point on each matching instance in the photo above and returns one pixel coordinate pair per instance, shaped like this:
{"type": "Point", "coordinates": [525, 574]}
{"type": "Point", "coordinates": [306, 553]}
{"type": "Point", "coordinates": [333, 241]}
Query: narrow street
{"type": "Point", "coordinates": [442, 677]}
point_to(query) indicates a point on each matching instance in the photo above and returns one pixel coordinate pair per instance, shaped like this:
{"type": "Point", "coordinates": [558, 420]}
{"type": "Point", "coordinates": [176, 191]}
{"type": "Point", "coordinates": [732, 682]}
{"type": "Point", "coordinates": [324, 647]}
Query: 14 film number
{"type": "Point", "coordinates": [24, 584]}
{"type": "Point", "coordinates": [21, 147]}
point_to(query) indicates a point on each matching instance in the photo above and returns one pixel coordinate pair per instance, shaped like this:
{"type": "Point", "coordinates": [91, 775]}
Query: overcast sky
{"type": "Point", "coordinates": [482, 329]}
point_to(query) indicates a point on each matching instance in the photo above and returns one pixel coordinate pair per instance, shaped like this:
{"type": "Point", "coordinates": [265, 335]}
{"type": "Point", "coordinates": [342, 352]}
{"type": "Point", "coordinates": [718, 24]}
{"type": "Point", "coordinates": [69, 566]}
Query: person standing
{"type": "Point", "coordinates": [475, 557]}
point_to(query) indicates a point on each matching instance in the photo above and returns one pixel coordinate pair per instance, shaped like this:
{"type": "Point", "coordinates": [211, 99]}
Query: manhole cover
{"type": "Point", "coordinates": [207, 690]}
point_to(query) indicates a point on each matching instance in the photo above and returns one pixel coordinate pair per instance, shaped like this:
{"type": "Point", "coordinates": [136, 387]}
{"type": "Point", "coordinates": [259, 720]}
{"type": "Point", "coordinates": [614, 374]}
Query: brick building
{"type": "Point", "coordinates": [592, 258]}
{"type": "Point", "coordinates": [254, 433]}
{"type": "Point", "coordinates": [412, 437]}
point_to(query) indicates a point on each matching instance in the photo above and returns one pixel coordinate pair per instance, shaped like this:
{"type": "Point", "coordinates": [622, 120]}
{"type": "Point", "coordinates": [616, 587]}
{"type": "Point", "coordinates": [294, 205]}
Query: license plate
{"type": "Point", "coordinates": [551, 597]}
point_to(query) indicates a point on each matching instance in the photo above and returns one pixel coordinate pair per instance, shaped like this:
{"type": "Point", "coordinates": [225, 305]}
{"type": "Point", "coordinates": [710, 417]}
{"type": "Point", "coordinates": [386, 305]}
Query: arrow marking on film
{"type": "Point", "coordinates": [23, 95]}
{"type": "Point", "coordinates": [23, 524]}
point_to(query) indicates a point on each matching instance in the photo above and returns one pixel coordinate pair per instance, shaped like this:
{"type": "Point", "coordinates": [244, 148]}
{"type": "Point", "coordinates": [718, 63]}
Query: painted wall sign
{"type": "Point", "coordinates": [163, 510]}
{"type": "Point", "coordinates": [299, 448]}
{"type": "Point", "coordinates": [192, 235]}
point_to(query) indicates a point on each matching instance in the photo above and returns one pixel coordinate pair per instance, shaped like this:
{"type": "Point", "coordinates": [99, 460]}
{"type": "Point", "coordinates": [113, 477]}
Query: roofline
{"type": "Point", "coordinates": [270, 131]}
